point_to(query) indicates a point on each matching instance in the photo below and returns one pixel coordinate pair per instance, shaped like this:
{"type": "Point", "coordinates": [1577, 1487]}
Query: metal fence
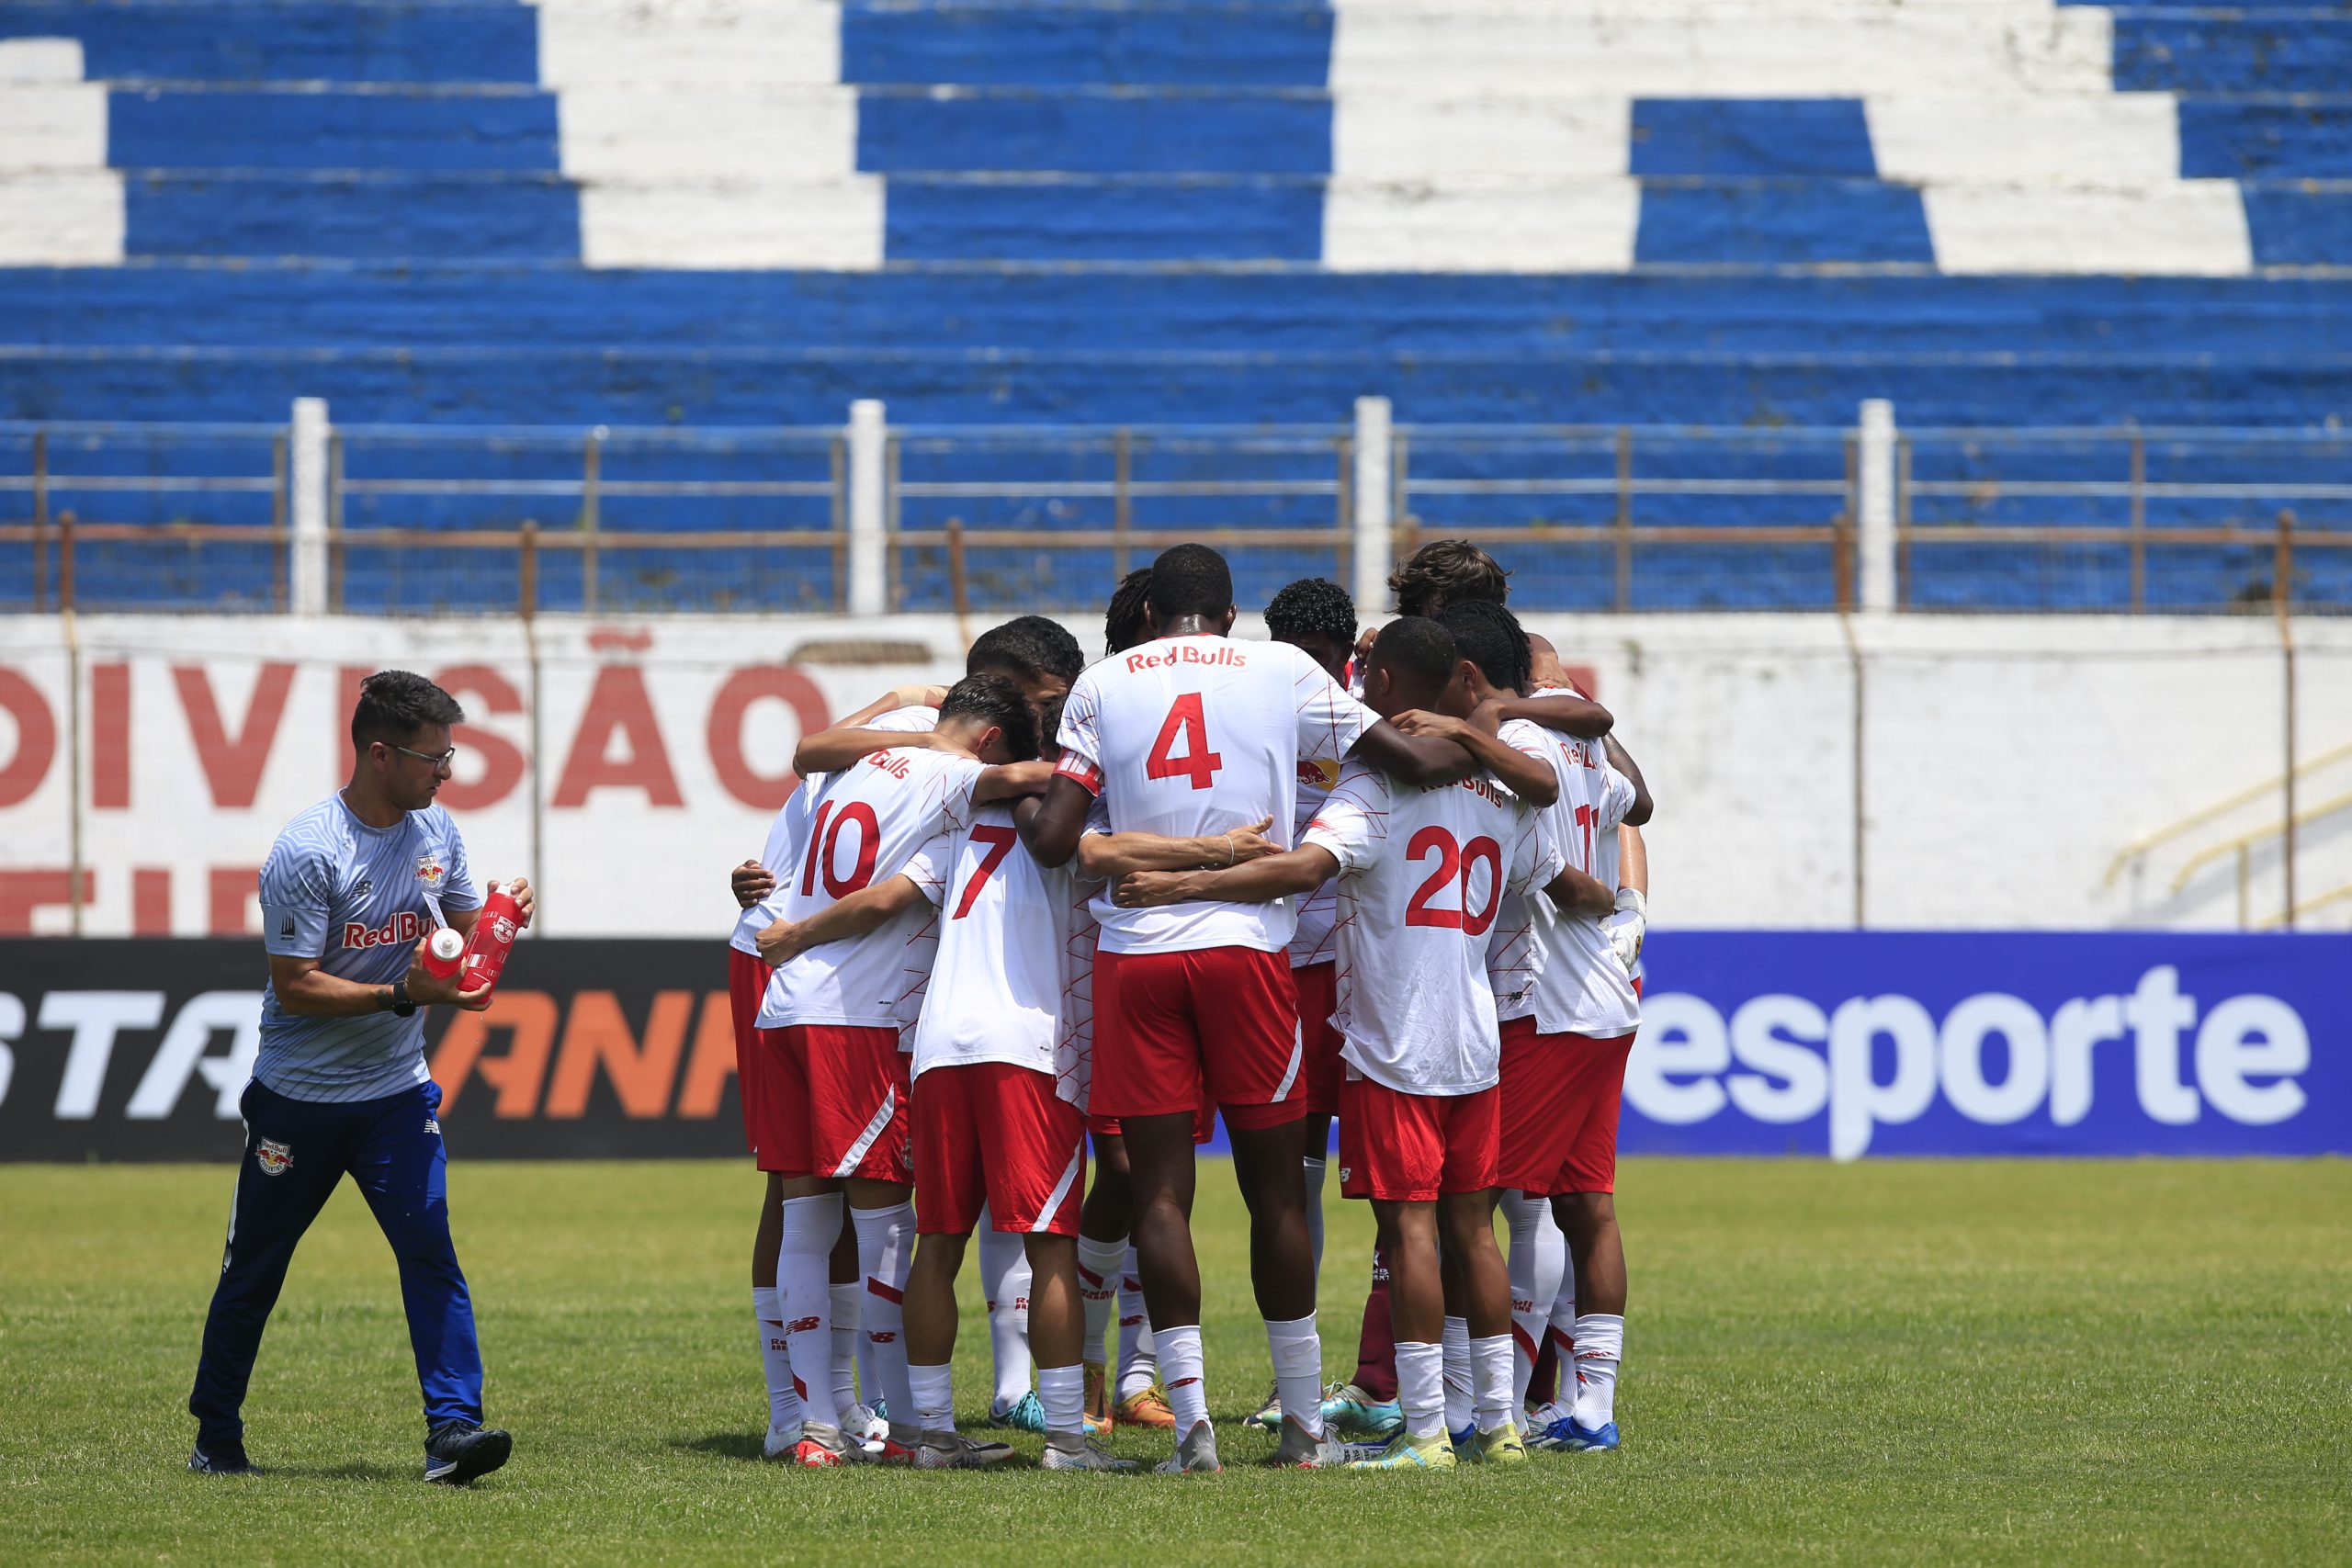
{"type": "Point", "coordinates": [869, 518]}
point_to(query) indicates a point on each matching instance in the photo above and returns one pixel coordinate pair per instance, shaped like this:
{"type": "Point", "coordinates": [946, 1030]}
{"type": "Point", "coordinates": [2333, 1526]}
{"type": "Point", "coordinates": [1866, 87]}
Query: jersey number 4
{"type": "Point", "coordinates": [1183, 727]}
{"type": "Point", "coordinates": [1454, 862]}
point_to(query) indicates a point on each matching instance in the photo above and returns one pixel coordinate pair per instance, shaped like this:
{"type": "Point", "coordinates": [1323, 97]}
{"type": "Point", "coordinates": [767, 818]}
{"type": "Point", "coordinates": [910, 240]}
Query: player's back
{"type": "Point", "coordinates": [865, 823]}
{"type": "Point", "coordinates": [1000, 980]}
{"type": "Point", "coordinates": [1197, 736]}
{"type": "Point", "coordinates": [1580, 988]}
{"type": "Point", "coordinates": [1423, 875]}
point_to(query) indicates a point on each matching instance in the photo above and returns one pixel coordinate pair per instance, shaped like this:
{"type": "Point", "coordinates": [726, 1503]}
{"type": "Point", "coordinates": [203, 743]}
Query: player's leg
{"type": "Point", "coordinates": [930, 1318]}
{"type": "Point", "coordinates": [1253, 1064]}
{"type": "Point", "coordinates": [813, 1225]}
{"type": "Point", "coordinates": [1391, 1152]}
{"type": "Point", "coordinates": [1482, 1300]}
{"type": "Point", "coordinates": [1538, 1254]}
{"type": "Point", "coordinates": [1539, 1112]}
{"type": "Point", "coordinates": [1364, 1407]}
{"type": "Point", "coordinates": [950, 1155]}
{"type": "Point", "coordinates": [401, 1170]}
{"type": "Point", "coordinates": [1160, 1165]}
{"type": "Point", "coordinates": [858, 1128]}
{"type": "Point", "coordinates": [1004, 1289]}
{"type": "Point", "coordinates": [294, 1156]}
{"type": "Point", "coordinates": [883, 1214]}
{"type": "Point", "coordinates": [1588, 1217]}
{"type": "Point", "coordinates": [1101, 1259]}
{"type": "Point", "coordinates": [747, 978]}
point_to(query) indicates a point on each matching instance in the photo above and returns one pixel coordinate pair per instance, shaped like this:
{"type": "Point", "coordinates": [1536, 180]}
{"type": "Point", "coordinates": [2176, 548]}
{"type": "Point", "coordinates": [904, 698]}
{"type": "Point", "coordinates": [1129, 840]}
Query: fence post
{"type": "Point", "coordinates": [306, 471]}
{"type": "Point", "coordinates": [1375, 544]}
{"type": "Point", "coordinates": [868, 537]}
{"type": "Point", "coordinates": [1874, 530]}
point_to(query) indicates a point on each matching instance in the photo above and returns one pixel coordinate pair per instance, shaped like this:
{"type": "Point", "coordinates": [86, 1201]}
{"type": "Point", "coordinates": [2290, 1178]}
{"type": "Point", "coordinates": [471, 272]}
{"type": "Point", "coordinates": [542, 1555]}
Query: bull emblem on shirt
{"type": "Point", "coordinates": [430, 871]}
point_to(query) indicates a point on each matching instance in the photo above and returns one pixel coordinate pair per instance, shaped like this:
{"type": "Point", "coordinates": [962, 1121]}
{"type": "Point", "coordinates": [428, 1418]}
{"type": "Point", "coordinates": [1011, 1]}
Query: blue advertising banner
{"type": "Point", "coordinates": [1850, 1044]}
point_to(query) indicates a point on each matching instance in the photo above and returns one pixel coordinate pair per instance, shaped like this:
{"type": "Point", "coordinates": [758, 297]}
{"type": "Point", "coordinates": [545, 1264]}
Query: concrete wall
{"type": "Point", "coordinates": [2004, 762]}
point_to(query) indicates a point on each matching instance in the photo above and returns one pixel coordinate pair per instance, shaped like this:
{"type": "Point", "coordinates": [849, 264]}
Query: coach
{"type": "Point", "coordinates": [350, 891]}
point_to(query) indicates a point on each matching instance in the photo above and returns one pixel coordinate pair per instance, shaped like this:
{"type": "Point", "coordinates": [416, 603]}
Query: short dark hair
{"type": "Point", "coordinates": [1448, 572]}
{"type": "Point", "coordinates": [1029, 646]}
{"type": "Point", "coordinates": [1490, 637]}
{"type": "Point", "coordinates": [992, 699]}
{"type": "Point", "coordinates": [1312, 606]}
{"type": "Point", "coordinates": [1050, 727]}
{"type": "Point", "coordinates": [395, 704]}
{"type": "Point", "coordinates": [1418, 648]}
{"type": "Point", "coordinates": [1190, 580]}
{"type": "Point", "coordinates": [1123, 617]}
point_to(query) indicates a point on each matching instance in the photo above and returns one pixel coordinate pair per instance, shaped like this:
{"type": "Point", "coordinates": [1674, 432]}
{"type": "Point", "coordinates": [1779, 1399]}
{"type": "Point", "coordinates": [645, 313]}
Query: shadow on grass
{"type": "Point", "coordinates": [350, 1470]}
{"type": "Point", "coordinates": [724, 1444]}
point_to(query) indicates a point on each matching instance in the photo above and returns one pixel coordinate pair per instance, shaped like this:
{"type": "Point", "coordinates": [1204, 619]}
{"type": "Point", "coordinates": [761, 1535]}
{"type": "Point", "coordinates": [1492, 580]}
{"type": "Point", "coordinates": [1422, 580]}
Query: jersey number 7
{"type": "Point", "coordinates": [1185, 726]}
{"type": "Point", "coordinates": [1000, 845]}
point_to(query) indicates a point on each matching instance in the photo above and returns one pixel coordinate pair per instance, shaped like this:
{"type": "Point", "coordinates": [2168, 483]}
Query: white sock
{"type": "Point", "coordinates": [1138, 1348]}
{"type": "Point", "coordinates": [934, 1396]}
{"type": "Point", "coordinates": [1420, 1387]}
{"type": "Point", "coordinates": [1299, 1370]}
{"type": "Point", "coordinates": [846, 1315]}
{"type": "Point", "coordinates": [1490, 1380]}
{"type": "Point", "coordinates": [1459, 1403]}
{"type": "Point", "coordinates": [1601, 1347]}
{"type": "Point", "coordinates": [1181, 1368]}
{"type": "Point", "coordinates": [885, 1241]}
{"type": "Point", "coordinates": [1562, 1330]}
{"type": "Point", "coordinates": [1314, 1168]}
{"type": "Point", "coordinates": [775, 1361]}
{"type": "Point", "coordinates": [1062, 1391]}
{"type": "Point", "coordinates": [1538, 1253]}
{"type": "Point", "coordinates": [1004, 1285]}
{"type": "Point", "coordinates": [1098, 1288]}
{"type": "Point", "coordinates": [811, 1225]}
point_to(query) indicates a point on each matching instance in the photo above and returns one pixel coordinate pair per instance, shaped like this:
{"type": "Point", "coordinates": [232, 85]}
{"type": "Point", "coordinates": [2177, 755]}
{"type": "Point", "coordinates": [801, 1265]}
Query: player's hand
{"type": "Point", "coordinates": [526, 897]}
{"type": "Point", "coordinates": [1249, 843]}
{"type": "Point", "coordinates": [428, 989]}
{"type": "Point", "coordinates": [751, 882]}
{"type": "Point", "coordinates": [1149, 889]}
{"type": "Point", "coordinates": [1626, 928]}
{"type": "Point", "coordinates": [1365, 639]}
{"type": "Point", "coordinates": [1422, 724]}
{"type": "Point", "coordinates": [779, 944]}
{"type": "Point", "coordinates": [1548, 671]}
{"type": "Point", "coordinates": [1488, 716]}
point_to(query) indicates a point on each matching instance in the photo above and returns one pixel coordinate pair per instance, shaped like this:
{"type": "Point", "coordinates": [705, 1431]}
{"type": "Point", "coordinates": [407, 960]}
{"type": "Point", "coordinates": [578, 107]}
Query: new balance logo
{"type": "Point", "coordinates": [801, 1325]}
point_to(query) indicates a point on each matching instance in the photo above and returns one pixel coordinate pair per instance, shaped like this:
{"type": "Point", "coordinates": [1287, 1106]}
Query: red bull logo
{"type": "Point", "coordinates": [403, 930]}
{"type": "Point", "coordinates": [274, 1158]}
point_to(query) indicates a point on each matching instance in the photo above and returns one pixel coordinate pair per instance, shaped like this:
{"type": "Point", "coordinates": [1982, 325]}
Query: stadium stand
{"type": "Point", "coordinates": [1994, 212]}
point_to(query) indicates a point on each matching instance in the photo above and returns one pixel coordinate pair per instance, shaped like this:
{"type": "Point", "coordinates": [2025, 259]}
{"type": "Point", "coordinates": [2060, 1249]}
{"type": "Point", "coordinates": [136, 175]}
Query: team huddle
{"type": "Point", "coordinates": [1394, 881]}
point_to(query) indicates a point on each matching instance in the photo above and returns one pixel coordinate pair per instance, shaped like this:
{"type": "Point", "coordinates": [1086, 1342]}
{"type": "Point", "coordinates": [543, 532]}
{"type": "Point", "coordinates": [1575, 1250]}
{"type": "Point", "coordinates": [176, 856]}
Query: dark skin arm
{"type": "Point", "coordinates": [1051, 829]}
{"type": "Point", "coordinates": [1562, 711]}
{"type": "Point", "coordinates": [1301, 870]}
{"type": "Point", "coordinates": [1573, 893]}
{"type": "Point", "coordinates": [1530, 778]}
{"type": "Point", "coordinates": [1411, 760]}
{"type": "Point", "coordinates": [1618, 760]}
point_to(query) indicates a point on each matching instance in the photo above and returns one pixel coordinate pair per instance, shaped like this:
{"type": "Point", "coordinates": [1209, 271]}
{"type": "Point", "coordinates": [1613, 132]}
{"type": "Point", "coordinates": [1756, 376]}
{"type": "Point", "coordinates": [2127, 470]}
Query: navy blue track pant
{"type": "Point", "coordinates": [296, 1151]}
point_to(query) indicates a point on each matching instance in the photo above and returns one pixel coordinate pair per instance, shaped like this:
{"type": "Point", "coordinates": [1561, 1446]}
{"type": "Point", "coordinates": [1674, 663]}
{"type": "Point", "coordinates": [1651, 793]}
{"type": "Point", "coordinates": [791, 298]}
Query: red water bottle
{"type": "Point", "coordinates": [493, 939]}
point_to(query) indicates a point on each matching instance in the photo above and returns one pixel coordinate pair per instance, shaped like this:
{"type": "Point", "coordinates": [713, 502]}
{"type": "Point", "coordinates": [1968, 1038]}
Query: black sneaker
{"type": "Point", "coordinates": [224, 1458]}
{"type": "Point", "coordinates": [458, 1450]}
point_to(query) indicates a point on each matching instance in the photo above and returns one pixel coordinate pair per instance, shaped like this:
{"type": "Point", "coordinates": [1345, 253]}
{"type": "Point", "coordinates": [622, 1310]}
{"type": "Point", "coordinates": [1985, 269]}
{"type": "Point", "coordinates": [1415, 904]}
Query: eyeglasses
{"type": "Point", "coordinates": [439, 760]}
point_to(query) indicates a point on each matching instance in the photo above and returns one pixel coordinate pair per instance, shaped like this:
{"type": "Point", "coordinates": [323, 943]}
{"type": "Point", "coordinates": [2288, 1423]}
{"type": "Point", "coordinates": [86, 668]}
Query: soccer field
{"type": "Point", "coordinates": [1908, 1360]}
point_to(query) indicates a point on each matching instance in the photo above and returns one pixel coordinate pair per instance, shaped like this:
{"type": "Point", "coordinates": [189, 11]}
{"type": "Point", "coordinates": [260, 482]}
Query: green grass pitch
{"type": "Point", "coordinates": [1906, 1361]}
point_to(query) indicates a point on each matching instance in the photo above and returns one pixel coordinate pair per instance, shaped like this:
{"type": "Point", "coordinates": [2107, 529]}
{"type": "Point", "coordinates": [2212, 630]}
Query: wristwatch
{"type": "Point", "coordinates": [400, 1004]}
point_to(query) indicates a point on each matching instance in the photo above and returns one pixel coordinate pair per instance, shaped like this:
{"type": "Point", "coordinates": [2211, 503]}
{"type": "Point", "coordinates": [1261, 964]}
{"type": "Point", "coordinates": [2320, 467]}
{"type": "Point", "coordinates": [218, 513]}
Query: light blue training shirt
{"type": "Point", "coordinates": [358, 898]}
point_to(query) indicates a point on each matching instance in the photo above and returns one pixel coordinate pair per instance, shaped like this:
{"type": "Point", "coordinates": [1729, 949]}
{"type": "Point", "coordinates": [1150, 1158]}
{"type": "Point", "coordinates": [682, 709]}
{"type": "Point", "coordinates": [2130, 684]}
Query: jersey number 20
{"type": "Point", "coordinates": [1454, 862]}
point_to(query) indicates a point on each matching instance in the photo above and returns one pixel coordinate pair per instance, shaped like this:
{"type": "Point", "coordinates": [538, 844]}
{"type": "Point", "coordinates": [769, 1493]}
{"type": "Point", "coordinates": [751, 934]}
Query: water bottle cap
{"type": "Point", "coordinates": [445, 944]}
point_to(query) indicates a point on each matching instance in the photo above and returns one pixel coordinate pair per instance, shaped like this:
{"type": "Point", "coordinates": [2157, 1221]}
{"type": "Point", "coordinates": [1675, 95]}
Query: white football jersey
{"type": "Point", "coordinates": [1002, 978]}
{"type": "Point", "coordinates": [865, 824]}
{"type": "Point", "coordinates": [1317, 911]}
{"type": "Point", "coordinates": [1196, 736]}
{"type": "Point", "coordinates": [1422, 876]}
{"type": "Point", "coordinates": [1512, 963]}
{"type": "Point", "coordinates": [790, 830]}
{"type": "Point", "coordinates": [1580, 988]}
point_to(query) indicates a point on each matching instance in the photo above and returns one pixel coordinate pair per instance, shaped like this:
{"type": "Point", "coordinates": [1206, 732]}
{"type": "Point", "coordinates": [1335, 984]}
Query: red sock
{"type": "Point", "coordinates": [1376, 1345]}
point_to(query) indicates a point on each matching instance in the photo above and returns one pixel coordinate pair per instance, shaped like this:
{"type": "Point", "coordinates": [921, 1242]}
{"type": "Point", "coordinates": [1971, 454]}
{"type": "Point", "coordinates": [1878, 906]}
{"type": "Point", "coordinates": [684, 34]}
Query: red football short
{"type": "Point", "coordinates": [991, 1133]}
{"type": "Point", "coordinates": [1409, 1148]}
{"type": "Point", "coordinates": [1169, 1026]}
{"type": "Point", "coordinates": [1561, 1095]}
{"type": "Point", "coordinates": [1204, 1123]}
{"type": "Point", "coordinates": [747, 982]}
{"type": "Point", "coordinates": [832, 1103]}
{"type": "Point", "coordinates": [1319, 998]}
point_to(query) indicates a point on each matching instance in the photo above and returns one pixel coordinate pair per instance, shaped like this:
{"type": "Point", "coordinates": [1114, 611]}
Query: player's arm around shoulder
{"type": "Point", "coordinates": [831, 751]}
{"type": "Point", "coordinates": [1105, 855]}
{"type": "Point", "coordinates": [1259, 880]}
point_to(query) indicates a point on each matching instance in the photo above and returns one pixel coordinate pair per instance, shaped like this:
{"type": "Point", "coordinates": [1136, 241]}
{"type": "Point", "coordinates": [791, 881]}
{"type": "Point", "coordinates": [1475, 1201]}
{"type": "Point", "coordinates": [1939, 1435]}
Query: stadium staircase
{"type": "Point", "coordinates": [1994, 212]}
